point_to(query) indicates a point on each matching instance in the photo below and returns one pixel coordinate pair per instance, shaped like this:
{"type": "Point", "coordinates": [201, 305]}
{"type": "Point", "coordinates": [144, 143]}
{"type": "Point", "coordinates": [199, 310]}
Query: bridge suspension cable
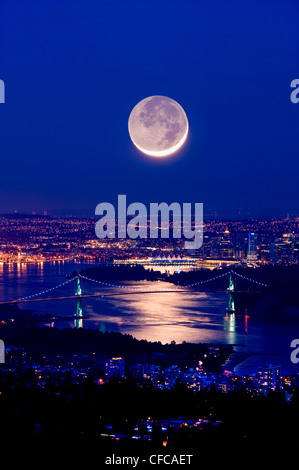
{"type": "Point", "coordinates": [208, 280]}
{"type": "Point", "coordinates": [108, 284]}
{"type": "Point", "coordinates": [248, 279]}
{"type": "Point", "coordinates": [138, 287]}
{"type": "Point", "coordinates": [46, 291]}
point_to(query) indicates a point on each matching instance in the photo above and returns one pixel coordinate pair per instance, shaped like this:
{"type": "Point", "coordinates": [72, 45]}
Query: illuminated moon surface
{"type": "Point", "coordinates": [158, 126]}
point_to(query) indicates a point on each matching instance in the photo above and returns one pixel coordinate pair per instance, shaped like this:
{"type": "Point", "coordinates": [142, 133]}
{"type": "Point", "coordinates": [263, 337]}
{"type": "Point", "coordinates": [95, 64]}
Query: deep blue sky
{"type": "Point", "coordinates": [74, 70]}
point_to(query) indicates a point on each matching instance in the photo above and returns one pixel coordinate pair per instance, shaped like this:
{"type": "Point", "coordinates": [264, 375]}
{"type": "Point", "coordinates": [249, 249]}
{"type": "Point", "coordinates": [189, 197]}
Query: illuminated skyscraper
{"type": "Point", "coordinates": [252, 247]}
{"type": "Point", "coordinates": [226, 246]}
{"type": "Point", "coordinates": [268, 377]}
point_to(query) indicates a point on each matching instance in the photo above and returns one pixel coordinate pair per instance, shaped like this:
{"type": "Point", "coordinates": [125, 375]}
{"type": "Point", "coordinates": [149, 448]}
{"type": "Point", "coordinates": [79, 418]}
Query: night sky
{"type": "Point", "coordinates": [74, 70]}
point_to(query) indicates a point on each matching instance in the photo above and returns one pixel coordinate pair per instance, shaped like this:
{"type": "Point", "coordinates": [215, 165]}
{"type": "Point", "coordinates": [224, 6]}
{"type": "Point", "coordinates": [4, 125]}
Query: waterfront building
{"type": "Point", "coordinates": [171, 375]}
{"type": "Point", "coordinates": [115, 367]}
{"type": "Point", "coordinates": [268, 378]}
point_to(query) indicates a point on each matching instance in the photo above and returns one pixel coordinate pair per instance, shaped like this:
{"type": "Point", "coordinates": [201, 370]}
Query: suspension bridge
{"type": "Point", "coordinates": [123, 289]}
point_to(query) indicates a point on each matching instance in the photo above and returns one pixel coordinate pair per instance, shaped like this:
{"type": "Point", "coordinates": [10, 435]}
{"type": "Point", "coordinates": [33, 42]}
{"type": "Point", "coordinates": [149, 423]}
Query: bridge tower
{"type": "Point", "coordinates": [78, 322]}
{"type": "Point", "coordinates": [231, 301]}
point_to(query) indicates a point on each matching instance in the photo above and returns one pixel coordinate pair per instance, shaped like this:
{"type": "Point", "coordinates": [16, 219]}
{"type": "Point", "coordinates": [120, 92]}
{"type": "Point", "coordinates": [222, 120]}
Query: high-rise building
{"type": "Point", "coordinates": [268, 377]}
{"type": "Point", "coordinates": [191, 378]}
{"type": "Point", "coordinates": [273, 258]}
{"type": "Point", "coordinates": [296, 250]}
{"type": "Point", "coordinates": [215, 248]}
{"type": "Point", "coordinates": [171, 375]}
{"type": "Point", "coordinates": [284, 249]}
{"type": "Point", "coordinates": [226, 246]}
{"type": "Point", "coordinates": [252, 247]}
{"type": "Point", "coordinates": [264, 248]}
{"type": "Point", "coordinates": [115, 367]}
{"type": "Point", "coordinates": [239, 245]}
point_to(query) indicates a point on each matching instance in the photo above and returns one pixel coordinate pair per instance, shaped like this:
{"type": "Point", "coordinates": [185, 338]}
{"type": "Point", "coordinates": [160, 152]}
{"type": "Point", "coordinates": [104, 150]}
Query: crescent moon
{"type": "Point", "coordinates": [158, 126]}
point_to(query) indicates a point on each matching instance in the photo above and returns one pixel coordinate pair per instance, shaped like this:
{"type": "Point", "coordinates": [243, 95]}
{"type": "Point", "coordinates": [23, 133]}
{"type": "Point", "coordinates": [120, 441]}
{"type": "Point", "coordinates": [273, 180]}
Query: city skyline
{"type": "Point", "coordinates": [45, 238]}
{"type": "Point", "coordinates": [233, 214]}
